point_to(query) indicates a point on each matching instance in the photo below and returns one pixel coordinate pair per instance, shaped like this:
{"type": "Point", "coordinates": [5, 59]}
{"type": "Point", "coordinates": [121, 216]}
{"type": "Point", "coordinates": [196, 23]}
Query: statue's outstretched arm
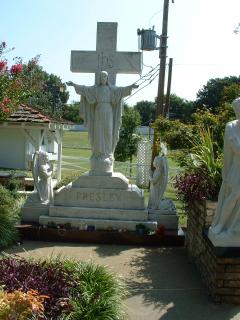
{"type": "Point", "coordinates": [78, 88]}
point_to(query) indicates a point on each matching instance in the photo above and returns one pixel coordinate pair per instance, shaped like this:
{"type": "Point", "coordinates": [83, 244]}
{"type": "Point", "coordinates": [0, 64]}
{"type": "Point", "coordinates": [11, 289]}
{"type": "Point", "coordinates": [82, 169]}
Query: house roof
{"type": "Point", "coordinates": [28, 114]}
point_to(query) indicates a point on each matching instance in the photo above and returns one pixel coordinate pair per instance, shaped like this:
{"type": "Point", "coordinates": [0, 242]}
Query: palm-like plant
{"type": "Point", "coordinates": [205, 152]}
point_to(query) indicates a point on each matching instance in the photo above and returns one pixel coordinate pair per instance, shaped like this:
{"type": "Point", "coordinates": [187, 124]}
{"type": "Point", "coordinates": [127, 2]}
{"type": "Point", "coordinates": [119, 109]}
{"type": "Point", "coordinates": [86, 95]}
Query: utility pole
{"type": "Point", "coordinates": [167, 104]}
{"type": "Point", "coordinates": [161, 79]}
{"type": "Point", "coordinates": [162, 57]}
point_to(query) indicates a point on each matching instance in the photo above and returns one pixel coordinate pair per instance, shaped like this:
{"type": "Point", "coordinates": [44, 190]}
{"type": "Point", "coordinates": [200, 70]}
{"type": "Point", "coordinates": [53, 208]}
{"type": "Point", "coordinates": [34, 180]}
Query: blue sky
{"type": "Point", "coordinates": [201, 39]}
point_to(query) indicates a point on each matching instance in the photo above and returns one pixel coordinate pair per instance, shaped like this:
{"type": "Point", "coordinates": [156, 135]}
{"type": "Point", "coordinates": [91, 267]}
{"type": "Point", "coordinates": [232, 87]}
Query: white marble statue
{"type": "Point", "coordinates": [225, 228]}
{"type": "Point", "coordinates": [101, 108]}
{"type": "Point", "coordinates": [42, 174]}
{"type": "Point", "coordinates": [158, 179]}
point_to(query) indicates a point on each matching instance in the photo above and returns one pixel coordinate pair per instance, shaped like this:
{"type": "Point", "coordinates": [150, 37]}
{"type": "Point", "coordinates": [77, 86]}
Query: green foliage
{"type": "Point", "coordinates": [204, 118]}
{"type": "Point", "coordinates": [231, 92]}
{"type": "Point", "coordinates": [214, 92]}
{"type": "Point", "coordinates": [98, 294]}
{"type": "Point", "coordinates": [128, 138]}
{"type": "Point", "coordinates": [147, 111]}
{"type": "Point", "coordinates": [181, 108]}
{"type": "Point", "coordinates": [176, 134]}
{"type": "Point", "coordinates": [8, 218]}
{"type": "Point", "coordinates": [205, 153]}
{"type": "Point", "coordinates": [28, 83]}
{"type": "Point", "coordinates": [51, 94]}
{"type": "Point", "coordinates": [71, 112]}
{"type": "Point", "coordinates": [66, 179]}
{"type": "Point", "coordinates": [201, 177]}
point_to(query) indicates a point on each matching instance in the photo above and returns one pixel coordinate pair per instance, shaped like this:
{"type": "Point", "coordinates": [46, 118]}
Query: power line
{"type": "Point", "coordinates": [149, 82]}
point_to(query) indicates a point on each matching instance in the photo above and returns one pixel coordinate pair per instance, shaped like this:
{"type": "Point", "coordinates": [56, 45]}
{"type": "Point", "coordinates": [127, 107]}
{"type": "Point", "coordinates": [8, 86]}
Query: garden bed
{"type": "Point", "coordinates": [40, 233]}
{"type": "Point", "coordinates": [57, 289]}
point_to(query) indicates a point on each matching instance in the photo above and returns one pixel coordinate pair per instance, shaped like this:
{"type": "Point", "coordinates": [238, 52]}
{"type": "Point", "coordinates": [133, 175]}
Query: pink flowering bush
{"type": "Point", "coordinates": [16, 69]}
{"type": "Point", "coordinates": [16, 82]}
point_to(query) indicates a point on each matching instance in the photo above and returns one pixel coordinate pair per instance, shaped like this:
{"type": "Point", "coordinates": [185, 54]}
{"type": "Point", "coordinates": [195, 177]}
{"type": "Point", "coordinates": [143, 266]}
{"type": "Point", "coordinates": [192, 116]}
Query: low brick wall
{"type": "Point", "coordinates": [219, 267]}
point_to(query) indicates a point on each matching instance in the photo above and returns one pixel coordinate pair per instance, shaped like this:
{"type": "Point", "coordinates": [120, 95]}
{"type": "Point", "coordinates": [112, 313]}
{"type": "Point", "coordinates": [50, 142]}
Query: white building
{"type": "Point", "coordinates": [26, 131]}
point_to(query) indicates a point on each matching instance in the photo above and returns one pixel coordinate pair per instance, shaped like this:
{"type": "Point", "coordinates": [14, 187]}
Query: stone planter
{"type": "Point", "coordinates": [219, 267]}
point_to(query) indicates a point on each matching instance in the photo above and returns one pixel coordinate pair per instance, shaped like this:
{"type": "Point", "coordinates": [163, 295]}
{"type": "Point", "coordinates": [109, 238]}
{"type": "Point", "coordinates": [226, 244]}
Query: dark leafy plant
{"type": "Point", "coordinates": [8, 218]}
{"type": "Point", "coordinates": [195, 185]}
{"type": "Point", "coordinates": [201, 178]}
{"type": "Point", "coordinates": [75, 290]}
{"type": "Point", "coordinates": [50, 279]}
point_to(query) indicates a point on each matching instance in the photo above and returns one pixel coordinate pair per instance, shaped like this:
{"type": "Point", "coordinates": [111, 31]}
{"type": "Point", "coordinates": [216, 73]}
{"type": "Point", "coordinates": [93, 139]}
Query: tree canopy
{"type": "Point", "coordinates": [128, 138]}
{"type": "Point", "coordinates": [147, 110]}
{"type": "Point", "coordinates": [212, 94]}
{"type": "Point", "coordinates": [26, 82]}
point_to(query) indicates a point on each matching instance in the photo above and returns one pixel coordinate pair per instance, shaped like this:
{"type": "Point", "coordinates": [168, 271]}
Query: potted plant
{"type": "Point", "coordinates": [140, 228]}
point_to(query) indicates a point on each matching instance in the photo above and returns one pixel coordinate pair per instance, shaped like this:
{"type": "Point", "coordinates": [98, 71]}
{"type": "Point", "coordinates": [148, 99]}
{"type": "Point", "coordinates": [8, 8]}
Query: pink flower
{"type": "Point", "coordinates": [6, 101]}
{"type": "Point", "coordinates": [3, 65]}
{"type": "Point", "coordinates": [16, 68]}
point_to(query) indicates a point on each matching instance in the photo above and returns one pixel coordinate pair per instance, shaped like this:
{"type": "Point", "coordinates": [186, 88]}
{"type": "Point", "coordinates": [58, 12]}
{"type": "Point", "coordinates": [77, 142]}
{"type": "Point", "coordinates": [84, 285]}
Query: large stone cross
{"type": "Point", "coordinates": [106, 57]}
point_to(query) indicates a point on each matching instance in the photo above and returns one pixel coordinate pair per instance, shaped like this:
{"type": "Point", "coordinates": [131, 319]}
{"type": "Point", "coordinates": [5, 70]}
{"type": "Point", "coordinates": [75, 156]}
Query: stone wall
{"type": "Point", "coordinates": [219, 267]}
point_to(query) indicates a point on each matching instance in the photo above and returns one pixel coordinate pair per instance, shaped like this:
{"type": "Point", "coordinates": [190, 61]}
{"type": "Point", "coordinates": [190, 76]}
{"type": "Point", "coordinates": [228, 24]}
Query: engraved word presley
{"type": "Point", "coordinates": [98, 196]}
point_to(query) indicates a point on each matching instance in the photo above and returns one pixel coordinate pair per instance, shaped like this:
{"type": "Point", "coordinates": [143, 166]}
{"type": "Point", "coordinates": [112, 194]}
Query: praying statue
{"type": "Point", "coordinates": [42, 175]}
{"type": "Point", "coordinates": [158, 179]}
{"type": "Point", "coordinates": [225, 228]}
{"type": "Point", "coordinates": [101, 107]}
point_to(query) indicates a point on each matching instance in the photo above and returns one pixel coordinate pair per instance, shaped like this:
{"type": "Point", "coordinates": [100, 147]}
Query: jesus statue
{"type": "Point", "coordinates": [101, 108]}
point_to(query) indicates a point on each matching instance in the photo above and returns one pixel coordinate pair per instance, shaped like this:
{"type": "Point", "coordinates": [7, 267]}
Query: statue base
{"type": "Point", "coordinates": [100, 201]}
{"type": "Point", "coordinates": [224, 239]}
{"type": "Point", "coordinates": [101, 166]}
{"type": "Point", "coordinates": [166, 215]}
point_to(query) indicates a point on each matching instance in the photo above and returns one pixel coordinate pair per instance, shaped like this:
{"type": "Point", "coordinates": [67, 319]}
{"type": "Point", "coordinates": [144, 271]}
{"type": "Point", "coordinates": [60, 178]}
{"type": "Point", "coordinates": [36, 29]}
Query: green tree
{"type": "Point", "coordinates": [212, 94]}
{"type": "Point", "coordinates": [147, 110]}
{"type": "Point", "coordinates": [180, 108]}
{"type": "Point", "coordinates": [230, 93]}
{"type": "Point", "coordinates": [128, 138]}
{"type": "Point", "coordinates": [71, 112]}
{"type": "Point", "coordinates": [175, 133]}
{"type": "Point", "coordinates": [51, 94]}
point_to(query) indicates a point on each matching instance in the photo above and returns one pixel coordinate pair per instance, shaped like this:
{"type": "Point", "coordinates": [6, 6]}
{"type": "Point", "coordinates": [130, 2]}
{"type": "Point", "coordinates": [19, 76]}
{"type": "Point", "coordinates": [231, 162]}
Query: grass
{"type": "Point", "coordinates": [75, 139]}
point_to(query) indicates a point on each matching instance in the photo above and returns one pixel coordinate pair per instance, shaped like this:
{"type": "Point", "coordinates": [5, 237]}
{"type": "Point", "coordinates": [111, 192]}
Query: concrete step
{"type": "Point", "coordinates": [102, 224]}
{"type": "Point", "coordinates": [98, 213]}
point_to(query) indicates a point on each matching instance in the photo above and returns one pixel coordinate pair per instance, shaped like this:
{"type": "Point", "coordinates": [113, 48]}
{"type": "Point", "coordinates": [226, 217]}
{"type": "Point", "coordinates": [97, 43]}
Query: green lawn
{"type": "Point", "coordinates": [75, 139]}
{"type": "Point", "coordinates": [76, 153]}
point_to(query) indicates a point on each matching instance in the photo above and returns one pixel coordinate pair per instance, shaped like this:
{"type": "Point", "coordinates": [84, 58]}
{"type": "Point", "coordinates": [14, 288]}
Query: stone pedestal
{"type": "Point", "coordinates": [225, 239]}
{"type": "Point", "coordinates": [100, 201]}
{"type": "Point", "coordinates": [33, 209]}
{"type": "Point", "coordinates": [166, 215]}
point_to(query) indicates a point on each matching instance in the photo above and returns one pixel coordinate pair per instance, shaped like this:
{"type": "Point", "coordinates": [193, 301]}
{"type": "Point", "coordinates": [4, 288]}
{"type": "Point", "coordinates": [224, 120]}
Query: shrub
{"type": "Point", "coordinates": [8, 218]}
{"type": "Point", "coordinates": [101, 293]}
{"type": "Point", "coordinates": [195, 185]}
{"type": "Point", "coordinates": [49, 279]}
{"type": "Point", "coordinates": [176, 134]}
{"type": "Point", "coordinates": [201, 178]}
{"type": "Point", "coordinates": [205, 119]}
{"type": "Point", "coordinates": [74, 290]}
{"type": "Point", "coordinates": [21, 306]}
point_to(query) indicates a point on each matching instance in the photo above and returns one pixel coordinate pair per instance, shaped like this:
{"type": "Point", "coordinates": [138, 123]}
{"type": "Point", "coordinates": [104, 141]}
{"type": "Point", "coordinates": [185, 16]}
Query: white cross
{"type": "Point", "coordinates": [106, 57]}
